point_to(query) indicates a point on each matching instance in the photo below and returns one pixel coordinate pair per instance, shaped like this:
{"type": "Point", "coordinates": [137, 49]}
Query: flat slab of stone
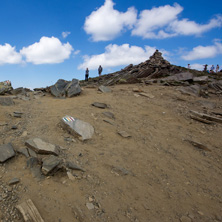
{"type": "Point", "coordinates": [6, 101]}
{"type": "Point", "coordinates": [100, 105]}
{"type": "Point", "coordinates": [73, 166]}
{"type": "Point", "coordinates": [192, 90]}
{"type": "Point", "coordinates": [49, 164]}
{"type": "Point", "coordinates": [42, 147]}
{"type": "Point", "coordinates": [124, 134]}
{"type": "Point", "coordinates": [148, 95]}
{"type": "Point", "coordinates": [77, 127]}
{"type": "Point", "coordinates": [109, 115]}
{"type": "Point", "coordinates": [104, 89]}
{"type": "Point", "coordinates": [14, 181]}
{"type": "Point", "coordinates": [6, 152]}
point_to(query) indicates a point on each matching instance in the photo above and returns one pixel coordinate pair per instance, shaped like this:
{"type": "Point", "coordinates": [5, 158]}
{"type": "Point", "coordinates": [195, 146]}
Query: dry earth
{"type": "Point", "coordinates": [156, 175]}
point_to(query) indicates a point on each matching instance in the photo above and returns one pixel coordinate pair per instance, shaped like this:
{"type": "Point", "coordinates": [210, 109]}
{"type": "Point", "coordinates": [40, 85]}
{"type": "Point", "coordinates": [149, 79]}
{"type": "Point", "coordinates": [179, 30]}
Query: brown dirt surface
{"type": "Point", "coordinates": [154, 175]}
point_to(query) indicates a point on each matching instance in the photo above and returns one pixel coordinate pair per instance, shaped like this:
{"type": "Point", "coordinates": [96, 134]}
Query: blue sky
{"type": "Point", "coordinates": [42, 41]}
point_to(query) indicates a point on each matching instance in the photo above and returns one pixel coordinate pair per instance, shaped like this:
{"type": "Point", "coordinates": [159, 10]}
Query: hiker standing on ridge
{"type": "Point", "coordinates": [212, 69]}
{"type": "Point", "coordinates": [217, 68]}
{"type": "Point", "coordinates": [100, 69]}
{"type": "Point", "coordinates": [205, 68]}
{"type": "Point", "coordinates": [87, 74]}
{"type": "Point", "coordinates": [188, 66]}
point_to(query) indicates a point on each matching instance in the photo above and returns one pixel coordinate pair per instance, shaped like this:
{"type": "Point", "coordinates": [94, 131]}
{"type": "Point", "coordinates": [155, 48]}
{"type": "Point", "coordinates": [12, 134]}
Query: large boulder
{"type": "Point", "coordinates": [5, 87]}
{"type": "Point", "coordinates": [64, 88]}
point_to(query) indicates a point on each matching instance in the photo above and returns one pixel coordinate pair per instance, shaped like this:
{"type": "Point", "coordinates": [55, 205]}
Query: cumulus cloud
{"type": "Point", "coordinates": [8, 55]}
{"type": "Point", "coordinates": [47, 51]}
{"type": "Point", "coordinates": [197, 66]}
{"type": "Point", "coordinates": [162, 22]}
{"type": "Point", "coordinates": [152, 20]}
{"type": "Point", "coordinates": [65, 34]}
{"type": "Point", "coordinates": [106, 23]}
{"type": "Point", "coordinates": [202, 52]}
{"type": "Point", "coordinates": [117, 55]}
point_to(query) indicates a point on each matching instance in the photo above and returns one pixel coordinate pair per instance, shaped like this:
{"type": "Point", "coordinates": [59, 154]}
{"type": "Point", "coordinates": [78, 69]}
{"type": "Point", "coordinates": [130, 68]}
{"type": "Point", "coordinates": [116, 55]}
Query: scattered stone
{"type": "Point", "coordinates": [32, 153]}
{"type": "Point", "coordinates": [29, 212]}
{"type": "Point", "coordinates": [100, 105]}
{"type": "Point", "coordinates": [3, 124]}
{"type": "Point", "coordinates": [90, 206]}
{"type": "Point", "coordinates": [198, 145]}
{"type": "Point", "coordinates": [108, 121]}
{"type": "Point", "coordinates": [24, 151]}
{"type": "Point", "coordinates": [6, 101]}
{"type": "Point", "coordinates": [17, 114]}
{"type": "Point", "coordinates": [64, 88]}
{"type": "Point", "coordinates": [137, 90]}
{"type": "Point", "coordinates": [193, 90]}
{"type": "Point", "coordinates": [77, 127]}
{"type": "Point", "coordinates": [14, 127]}
{"type": "Point", "coordinates": [185, 219]}
{"type": "Point", "coordinates": [14, 181]}
{"type": "Point", "coordinates": [109, 115]}
{"type": "Point", "coordinates": [6, 152]}
{"type": "Point", "coordinates": [147, 95]}
{"type": "Point", "coordinates": [200, 212]}
{"type": "Point", "coordinates": [42, 147]}
{"type": "Point", "coordinates": [49, 164]}
{"type": "Point", "coordinates": [73, 166]}
{"type": "Point", "coordinates": [124, 134]}
{"type": "Point", "coordinates": [104, 89]}
{"type": "Point", "coordinates": [120, 170]}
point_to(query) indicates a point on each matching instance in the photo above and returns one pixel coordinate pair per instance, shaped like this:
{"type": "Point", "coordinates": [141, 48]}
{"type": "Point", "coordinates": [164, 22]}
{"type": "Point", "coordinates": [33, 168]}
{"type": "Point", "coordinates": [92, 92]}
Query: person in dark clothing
{"type": "Point", "coordinates": [87, 74]}
{"type": "Point", "coordinates": [205, 68]}
{"type": "Point", "coordinates": [100, 69]}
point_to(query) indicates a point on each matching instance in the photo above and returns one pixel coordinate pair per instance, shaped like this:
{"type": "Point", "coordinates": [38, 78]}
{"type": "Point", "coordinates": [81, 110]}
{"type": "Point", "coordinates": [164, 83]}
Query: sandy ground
{"type": "Point", "coordinates": [156, 175]}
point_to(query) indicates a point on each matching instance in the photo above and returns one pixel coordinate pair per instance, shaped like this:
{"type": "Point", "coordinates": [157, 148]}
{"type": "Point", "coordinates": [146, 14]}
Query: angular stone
{"type": "Point", "coordinates": [148, 95]}
{"type": "Point", "coordinates": [64, 88]}
{"type": "Point", "coordinates": [100, 105]}
{"type": "Point", "coordinates": [24, 151]}
{"type": "Point", "coordinates": [90, 206]}
{"type": "Point", "coordinates": [6, 101]}
{"type": "Point", "coordinates": [185, 219]}
{"type": "Point", "coordinates": [193, 90]}
{"type": "Point", "coordinates": [73, 166]}
{"type": "Point", "coordinates": [201, 79]}
{"type": "Point", "coordinates": [49, 164]}
{"type": "Point", "coordinates": [42, 147]}
{"type": "Point", "coordinates": [183, 76]}
{"type": "Point", "coordinates": [104, 89]}
{"type": "Point", "coordinates": [32, 153]}
{"type": "Point", "coordinates": [6, 152]}
{"type": "Point", "coordinates": [73, 88]}
{"type": "Point", "coordinates": [109, 115]}
{"type": "Point", "coordinates": [124, 134]}
{"type": "Point", "coordinates": [14, 181]}
{"type": "Point", "coordinates": [77, 127]}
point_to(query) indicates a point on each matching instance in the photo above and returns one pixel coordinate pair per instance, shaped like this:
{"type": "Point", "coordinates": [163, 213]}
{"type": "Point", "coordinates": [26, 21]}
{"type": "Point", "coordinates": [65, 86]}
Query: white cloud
{"type": "Point", "coordinates": [47, 51]}
{"type": "Point", "coordinates": [186, 27]}
{"type": "Point", "coordinates": [202, 52]}
{"type": "Point", "coordinates": [106, 23]}
{"type": "Point", "coordinates": [65, 34]}
{"type": "Point", "coordinates": [197, 66]}
{"type": "Point", "coordinates": [117, 55]}
{"type": "Point", "coordinates": [163, 22]}
{"type": "Point", "coordinates": [151, 20]}
{"type": "Point", "coordinates": [8, 55]}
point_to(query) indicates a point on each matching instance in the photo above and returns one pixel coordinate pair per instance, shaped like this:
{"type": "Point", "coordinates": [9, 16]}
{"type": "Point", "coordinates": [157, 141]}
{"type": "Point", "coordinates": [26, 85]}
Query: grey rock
{"type": "Point", "coordinates": [124, 134]}
{"type": "Point", "coordinates": [32, 153]}
{"type": "Point", "coordinates": [33, 164]}
{"type": "Point", "coordinates": [100, 105]}
{"type": "Point", "coordinates": [109, 115]}
{"type": "Point", "coordinates": [6, 101]}
{"type": "Point", "coordinates": [63, 88]}
{"type": "Point", "coordinates": [73, 166]}
{"type": "Point", "coordinates": [49, 164]}
{"type": "Point", "coordinates": [42, 147]}
{"type": "Point", "coordinates": [73, 88]}
{"type": "Point", "coordinates": [183, 76]}
{"type": "Point", "coordinates": [77, 127]}
{"type": "Point", "coordinates": [201, 79]}
{"type": "Point", "coordinates": [90, 206]}
{"type": "Point", "coordinates": [24, 151]}
{"type": "Point", "coordinates": [14, 127]}
{"type": "Point", "coordinates": [108, 121]}
{"type": "Point", "coordinates": [6, 152]}
{"type": "Point", "coordinates": [104, 89]}
{"type": "Point", "coordinates": [14, 181]}
{"type": "Point", "coordinates": [193, 90]}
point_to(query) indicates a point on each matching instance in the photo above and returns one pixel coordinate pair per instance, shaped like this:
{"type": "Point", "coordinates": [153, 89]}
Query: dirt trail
{"type": "Point", "coordinates": [156, 175]}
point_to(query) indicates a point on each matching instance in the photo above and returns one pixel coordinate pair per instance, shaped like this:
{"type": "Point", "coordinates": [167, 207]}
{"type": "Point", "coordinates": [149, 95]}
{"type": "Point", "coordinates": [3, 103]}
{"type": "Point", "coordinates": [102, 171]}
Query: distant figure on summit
{"type": "Point", "coordinates": [188, 66]}
{"type": "Point", "coordinates": [87, 74]}
{"type": "Point", "coordinates": [205, 68]}
{"type": "Point", "coordinates": [100, 69]}
{"type": "Point", "coordinates": [217, 68]}
{"type": "Point", "coordinates": [212, 69]}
